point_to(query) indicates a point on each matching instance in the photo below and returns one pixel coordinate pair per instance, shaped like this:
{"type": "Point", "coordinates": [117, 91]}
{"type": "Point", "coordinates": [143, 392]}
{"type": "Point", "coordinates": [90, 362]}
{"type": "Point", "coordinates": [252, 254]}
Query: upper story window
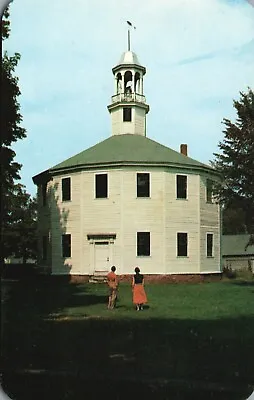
{"type": "Point", "coordinates": [181, 186]}
{"type": "Point", "coordinates": [44, 194]}
{"type": "Point", "coordinates": [66, 189]}
{"type": "Point", "coordinates": [143, 243]}
{"type": "Point", "coordinates": [66, 245]}
{"type": "Point", "coordinates": [209, 191]}
{"type": "Point", "coordinates": [182, 244]}
{"type": "Point", "coordinates": [143, 185]}
{"type": "Point", "coordinates": [101, 186]}
{"type": "Point", "coordinates": [127, 111]}
{"type": "Point", "coordinates": [209, 245]}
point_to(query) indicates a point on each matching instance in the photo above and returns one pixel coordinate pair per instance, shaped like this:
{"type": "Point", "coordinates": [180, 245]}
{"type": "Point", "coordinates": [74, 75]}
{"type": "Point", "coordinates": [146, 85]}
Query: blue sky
{"type": "Point", "coordinates": [198, 53]}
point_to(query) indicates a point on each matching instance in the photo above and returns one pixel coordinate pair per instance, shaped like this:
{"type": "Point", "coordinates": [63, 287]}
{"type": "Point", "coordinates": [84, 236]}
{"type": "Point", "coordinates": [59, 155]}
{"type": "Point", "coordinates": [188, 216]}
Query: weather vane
{"type": "Point", "coordinates": [130, 25]}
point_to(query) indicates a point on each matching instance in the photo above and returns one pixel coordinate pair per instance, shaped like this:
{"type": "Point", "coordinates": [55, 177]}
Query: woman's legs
{"type": "Point", "coordinates": [109, 301]}
{"type": "Point", "coordinates": [113, 299]}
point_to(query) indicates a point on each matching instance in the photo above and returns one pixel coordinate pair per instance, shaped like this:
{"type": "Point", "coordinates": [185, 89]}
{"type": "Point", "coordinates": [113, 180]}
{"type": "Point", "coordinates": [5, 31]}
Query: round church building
{"type": "Point", "coordinates": [129, 201]}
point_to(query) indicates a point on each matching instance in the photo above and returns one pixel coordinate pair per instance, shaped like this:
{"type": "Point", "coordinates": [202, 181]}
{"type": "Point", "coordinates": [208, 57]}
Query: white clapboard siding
{"type": "Point", "coordinates": [182, 216]}
{"type": "Point", "coordinates": [123, 214]}
{"type": "Point", "coordinates": [142, 214]}
{"type": "Point", "coordinates": [209, 223]}
{"type": "Point", "coordinates": [140, 121]}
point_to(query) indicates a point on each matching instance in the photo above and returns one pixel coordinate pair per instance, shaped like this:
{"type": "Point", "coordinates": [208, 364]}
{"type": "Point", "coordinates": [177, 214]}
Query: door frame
{"type": "Point", "coordinates": [95, 238]}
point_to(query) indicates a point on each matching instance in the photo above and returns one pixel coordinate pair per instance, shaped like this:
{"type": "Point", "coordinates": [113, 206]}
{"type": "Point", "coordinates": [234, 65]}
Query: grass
{"type": "Point", "coordinates": [193, 337]}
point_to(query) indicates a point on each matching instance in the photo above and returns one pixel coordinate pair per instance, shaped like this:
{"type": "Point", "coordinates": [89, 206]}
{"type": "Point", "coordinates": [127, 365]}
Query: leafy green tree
{"type": "Point", "coordinates": [20, 231]}
{"type": "Point", "coordinates": [11, 131]}
{"type": "Point", "coordinates": [236, 163]}
{"type": "Point", "coordinates": [17, 208]}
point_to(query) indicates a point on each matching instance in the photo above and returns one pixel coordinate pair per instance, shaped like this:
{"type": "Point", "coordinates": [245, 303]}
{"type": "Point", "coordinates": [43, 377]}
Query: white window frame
{"type": "Point", "coordinates": [101, 173]}
{"type": "Point", "coordinates": [150, 241]}
{"type": "Point", "coordinates": [66, 177]}
{"type": "Point", "coordinates": [210, 233]}
{"type": "Point", "coordinates": [187, 184]}
{"type": "Point", "coordinates": [143, 172]}
{"type": "Point", "coordinates": [187, 255]}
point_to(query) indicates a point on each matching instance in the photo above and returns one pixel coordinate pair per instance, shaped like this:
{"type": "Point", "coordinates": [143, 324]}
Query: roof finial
{"type": "Point", "coordinates": [129, 34]}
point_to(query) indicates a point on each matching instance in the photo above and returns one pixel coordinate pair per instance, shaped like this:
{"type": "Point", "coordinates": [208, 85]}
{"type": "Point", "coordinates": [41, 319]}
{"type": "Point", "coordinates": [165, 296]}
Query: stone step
{"type": "Point", "coordinates": [97, 279]}
{"type": "Point", "coordinates": [100, 273]}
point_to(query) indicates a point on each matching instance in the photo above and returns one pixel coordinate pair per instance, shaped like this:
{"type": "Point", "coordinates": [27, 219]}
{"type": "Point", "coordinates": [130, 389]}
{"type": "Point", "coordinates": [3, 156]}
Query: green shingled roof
{"type": "Point", "coordinates": [130, 149]}
{"type": "Point", "coordinates": [234, 245]}
{"type": "Point", "coordinates": [126, 149]}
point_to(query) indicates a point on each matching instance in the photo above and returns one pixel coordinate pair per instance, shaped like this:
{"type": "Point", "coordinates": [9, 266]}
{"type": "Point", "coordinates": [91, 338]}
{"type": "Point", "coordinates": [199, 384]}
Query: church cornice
{"type": "Point", "coordinates": [47, 175]}
{"type": "Point", "coordinates": [128, 103]}
{"type": "Point", "coordinates": [129, 66]}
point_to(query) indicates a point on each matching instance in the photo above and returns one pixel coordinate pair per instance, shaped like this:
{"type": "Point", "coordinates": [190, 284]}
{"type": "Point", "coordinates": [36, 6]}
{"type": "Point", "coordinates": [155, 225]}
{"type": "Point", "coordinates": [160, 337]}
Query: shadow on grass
{"type": "Point", "coordinates": [72, 358]}
{"type": "Point", "coordinates": [243, 283]}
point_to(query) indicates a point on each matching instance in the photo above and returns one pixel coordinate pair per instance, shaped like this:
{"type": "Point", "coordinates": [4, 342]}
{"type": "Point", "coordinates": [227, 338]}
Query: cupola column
{"type": "Point", "coordinates": [141, 84]}
{"type": "Point", "coordinates": [133, 82]}
{"type": "Point", "coordinates": [122, 83]}
{"type": "Point", "coordinates": [116, 84]}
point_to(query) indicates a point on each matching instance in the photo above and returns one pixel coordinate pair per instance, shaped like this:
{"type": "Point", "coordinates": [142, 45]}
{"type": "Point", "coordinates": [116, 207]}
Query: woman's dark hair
{"type": "Point", "coordinates": [137, 270]}
{"type": "Point", "coordinates": [113, 268]}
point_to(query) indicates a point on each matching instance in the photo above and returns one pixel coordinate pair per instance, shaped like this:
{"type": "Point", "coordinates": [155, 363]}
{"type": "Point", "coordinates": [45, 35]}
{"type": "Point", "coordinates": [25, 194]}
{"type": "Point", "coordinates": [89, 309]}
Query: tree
{"type": "Point", "coordinates": [11, 131]}
{"type": "Point", "coordinates": [236, 162]}
{"type": "Point", "coordinates": [233, 221]}
{"type": "Point", "coordinates": [20, 231]}
{"type": "Point", "coordinates": [17, 208]}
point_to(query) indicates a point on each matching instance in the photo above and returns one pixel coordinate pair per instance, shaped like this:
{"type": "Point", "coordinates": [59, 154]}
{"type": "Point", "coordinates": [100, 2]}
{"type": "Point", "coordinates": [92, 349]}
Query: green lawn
{"type": "Point", "coordinates": [192, 338]}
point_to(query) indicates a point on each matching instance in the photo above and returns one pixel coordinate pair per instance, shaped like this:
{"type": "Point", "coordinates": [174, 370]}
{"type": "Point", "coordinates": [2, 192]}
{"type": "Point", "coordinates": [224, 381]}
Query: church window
{"type": "Point", "coordinates": [182, 244]}
{"type": "Point", "coordinates": [181, 186]}
{"type": "Point", "coordinates": [66, 245]}
{"type": "Point", "coordinates": [101, 186]}
{"type": "Point", "coordinates": [66, 189]}
{"type": "Point", "coordinates": [209, 191]}
{"type": "Point", "coordinates": [127, 114]}
{"type": "Point", "coordinates": [143, 243]}
{"type": "Point", "coordinates": [143, 185]}
{"type": "Point", "coordinates": [209, 245]}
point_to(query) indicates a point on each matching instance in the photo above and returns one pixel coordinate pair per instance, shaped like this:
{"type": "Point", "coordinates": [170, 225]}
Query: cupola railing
{"type": "Point", "coordinates": [128, 97]}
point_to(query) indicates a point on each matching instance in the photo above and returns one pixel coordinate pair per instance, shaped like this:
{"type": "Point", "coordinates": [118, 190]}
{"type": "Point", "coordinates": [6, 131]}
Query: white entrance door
{"type": "Point", "coordinates": [102, 257]}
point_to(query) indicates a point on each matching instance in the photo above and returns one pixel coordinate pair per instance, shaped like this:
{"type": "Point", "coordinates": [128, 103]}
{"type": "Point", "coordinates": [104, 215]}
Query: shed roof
{"type": "Point", "coordinates": [235, 245]}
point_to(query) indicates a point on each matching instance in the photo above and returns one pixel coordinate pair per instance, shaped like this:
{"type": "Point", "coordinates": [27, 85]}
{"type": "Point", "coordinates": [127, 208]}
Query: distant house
{"type": "Point", "coordinates": [236, 253]}
{"type": "Point", "coordinates": [129, 200]}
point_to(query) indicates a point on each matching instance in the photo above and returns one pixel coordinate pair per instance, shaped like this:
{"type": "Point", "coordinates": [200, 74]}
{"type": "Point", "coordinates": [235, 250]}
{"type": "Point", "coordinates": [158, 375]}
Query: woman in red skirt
{"type": "Point", "coordinates": [138, 290]}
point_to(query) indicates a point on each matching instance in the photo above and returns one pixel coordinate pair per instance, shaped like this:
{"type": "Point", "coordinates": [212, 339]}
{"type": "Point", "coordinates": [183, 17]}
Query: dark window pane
{"type": "Point", "coordinates": [182, 244]}
{"type": "Point", "coordinates": [209, 245]}
{"type": "Point", "coordinates": [143, 243]}
{"type": "Point", "coordinates": [127, 114]}
{"type": "Point", "coordinates": [66, 189]}
{"type": "Point", "coordinates": [143, 187]}
{"type": "Point", "coordinates": [44, 247]}
{"type": "Point", "coordinates": [209, 190]}
{"type": "Point", "coordinates": [101, 186]}
{"type": "Point", "coordinates": [181, 186]}
{"type": "Point", "coordinates": [66, 245]}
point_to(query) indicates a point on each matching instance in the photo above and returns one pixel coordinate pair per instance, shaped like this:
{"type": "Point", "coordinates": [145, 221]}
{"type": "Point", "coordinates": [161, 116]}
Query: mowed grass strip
{"type": "Point", "coordinates": [188, 331]}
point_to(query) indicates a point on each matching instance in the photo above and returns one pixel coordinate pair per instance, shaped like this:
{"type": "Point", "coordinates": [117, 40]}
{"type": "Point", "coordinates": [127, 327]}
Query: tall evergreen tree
{"type": "Point", "coordinates": [236, 162]}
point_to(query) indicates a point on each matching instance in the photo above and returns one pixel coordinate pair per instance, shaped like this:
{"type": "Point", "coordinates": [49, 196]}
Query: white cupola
{"type": "Point", "coordinates": [128, 106]}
